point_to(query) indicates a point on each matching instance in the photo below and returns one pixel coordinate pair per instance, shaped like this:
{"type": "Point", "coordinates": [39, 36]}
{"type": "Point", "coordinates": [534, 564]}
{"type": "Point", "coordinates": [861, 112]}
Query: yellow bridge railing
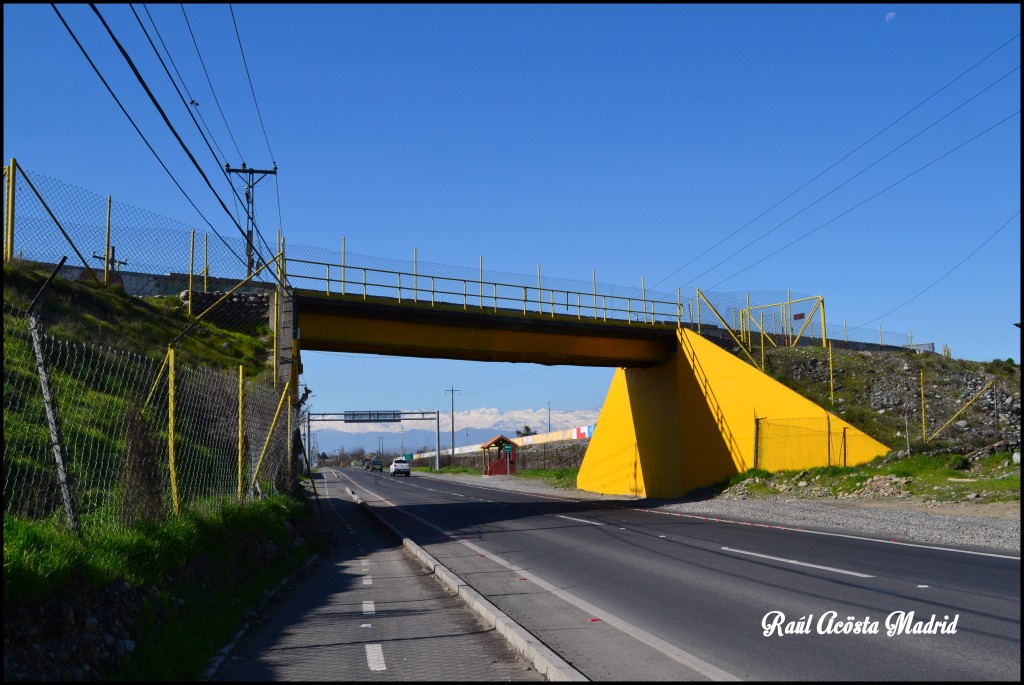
{"type": "Point", "coordinates": [482, 295]}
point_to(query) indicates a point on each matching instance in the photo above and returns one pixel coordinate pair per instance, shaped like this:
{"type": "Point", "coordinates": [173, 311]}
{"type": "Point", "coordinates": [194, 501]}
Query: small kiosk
{"type": "Point", "coordinates": [504, 462]}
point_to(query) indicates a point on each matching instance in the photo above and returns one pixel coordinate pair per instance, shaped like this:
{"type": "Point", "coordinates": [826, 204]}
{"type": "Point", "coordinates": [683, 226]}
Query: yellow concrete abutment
{"type": "Point", "coordinates": [689, 422]}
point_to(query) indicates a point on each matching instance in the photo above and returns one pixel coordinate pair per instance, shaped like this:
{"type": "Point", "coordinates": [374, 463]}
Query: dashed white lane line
{"type": "Point", "coordinates": [593, 523]}
{"type": "Point", "coordinates": [368, 609]}
{"type": "Point", "coordinates": [367, 580]}
{"type": "Point", "coordinates": [375, 658]}
{"type": "Point", "coordinates": [798, 563]}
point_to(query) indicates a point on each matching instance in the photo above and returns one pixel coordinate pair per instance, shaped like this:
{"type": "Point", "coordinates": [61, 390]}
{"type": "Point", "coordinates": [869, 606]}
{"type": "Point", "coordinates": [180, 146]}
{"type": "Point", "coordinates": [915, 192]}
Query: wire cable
{"type": "Point", "coordinates": [943, 276]}
{"type": "Point", "coordinates": [160, 109]}
{"type": "Point", "coordinates": [167, 121]}
{"type": "Point", "coordinates": [834, 164]}
{"type": "Point", "coordinates": [851, 178]}
{"type": "Point", "coordinates": [212, 91]}
{"type": "Point", "coordinates": [129, 117]}
{"type": "Point", "coordinates": [872, 197]}
{"type": "Point", "coordinates": [222, 159]}
{"type": "Point", "coordinates": [187, 108]}
{"type": "Point", "coordinates": [251, 89]}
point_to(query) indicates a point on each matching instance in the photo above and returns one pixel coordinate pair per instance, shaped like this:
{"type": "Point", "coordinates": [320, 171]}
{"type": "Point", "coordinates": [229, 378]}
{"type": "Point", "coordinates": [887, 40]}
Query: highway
{"type": "Point", "coordinates": [623, 593]}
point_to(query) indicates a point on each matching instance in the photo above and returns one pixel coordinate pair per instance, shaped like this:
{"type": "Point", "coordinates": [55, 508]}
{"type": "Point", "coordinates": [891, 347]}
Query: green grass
{"type": "Point", "coordinates": [175, 642]}
{"type": "Point", "coordinates": [944, 478]}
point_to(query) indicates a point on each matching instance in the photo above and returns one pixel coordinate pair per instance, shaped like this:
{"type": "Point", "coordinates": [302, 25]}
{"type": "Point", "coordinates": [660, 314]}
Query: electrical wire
{"type": "Point", "coordinates": [212, 91]}
{"type": "Point", "coordinates": [174, 132]}
{"type": "Point", "coordinates": [834, 164]}
{"type": "Point", "coordinates": [251, 89]}
{"type": "Point", "coordinates": [129, 117]}
{"type": "Point", "coordinates": [943, 276]}
{"type": "Point", "coordinates": [222, 159]}
{"type": "Point", "coordinates": [187, 108]}
{"type": "Point", "coordinates": [851, 178]}
{"type": "Point", "coordinates": [872, 197]}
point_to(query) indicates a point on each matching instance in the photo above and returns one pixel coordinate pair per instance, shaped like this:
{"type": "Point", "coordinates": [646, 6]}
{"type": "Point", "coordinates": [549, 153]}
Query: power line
{"type": "Point", "coordinates": [251, 89]}
{"type": "Point", "coordinates": [851, 178]}
{"type": "Point", "coordinates": [834, 164]}
{"type": "Point", "coordinates": [943, 276]}
{"type": "Point", "coordinates": [182, 98]}
{"type": "Point", "coordinates": [160, 109]}
{"type": "Point", "coordinates": [130, 120]}
{"type": "Point", "coordinates": [212, 91]}
{"type": "Point", "coordinates": [872, 197]}
{"type": "Point", "coordinates": [191, 100]}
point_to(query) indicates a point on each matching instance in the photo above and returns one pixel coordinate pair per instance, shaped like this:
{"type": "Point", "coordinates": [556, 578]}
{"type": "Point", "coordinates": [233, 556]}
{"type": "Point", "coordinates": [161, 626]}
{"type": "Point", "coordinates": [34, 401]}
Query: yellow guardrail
{"type": "Point", "coordinates": [339, 280]}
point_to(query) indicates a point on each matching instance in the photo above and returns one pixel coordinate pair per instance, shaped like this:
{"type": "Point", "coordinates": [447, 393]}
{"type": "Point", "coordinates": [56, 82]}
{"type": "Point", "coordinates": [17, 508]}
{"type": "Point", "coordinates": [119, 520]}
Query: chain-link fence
{"type": "Point", "coordinates": [795, 444]}
{"type": "Point", "coordinates": [97, 437]}
{"type": "Point", "coordinates": [142, 246]}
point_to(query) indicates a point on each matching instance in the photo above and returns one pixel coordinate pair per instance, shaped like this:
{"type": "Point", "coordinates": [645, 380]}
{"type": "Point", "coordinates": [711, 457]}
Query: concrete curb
{"type": "Point", "coordinates": [543, 659]}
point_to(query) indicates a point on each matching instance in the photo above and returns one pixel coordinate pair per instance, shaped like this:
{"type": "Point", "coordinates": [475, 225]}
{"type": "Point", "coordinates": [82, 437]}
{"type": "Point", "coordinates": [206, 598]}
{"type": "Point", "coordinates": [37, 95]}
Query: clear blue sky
{"type": "Point", "coordinates": [654, 142]}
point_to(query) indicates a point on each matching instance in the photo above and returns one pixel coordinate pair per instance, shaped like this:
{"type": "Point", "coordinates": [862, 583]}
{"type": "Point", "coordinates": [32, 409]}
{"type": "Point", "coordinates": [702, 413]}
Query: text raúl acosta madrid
{"type": "Point", "coordinates": [829, 623]}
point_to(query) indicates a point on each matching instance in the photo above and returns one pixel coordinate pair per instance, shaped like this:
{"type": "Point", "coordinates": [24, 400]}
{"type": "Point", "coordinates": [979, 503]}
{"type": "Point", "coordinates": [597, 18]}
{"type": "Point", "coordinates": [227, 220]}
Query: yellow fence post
{"type": "Point", "coordinates": [540, 298]}
{"type": "Point", "coordinates": [824, 335]}
{"type": "Point", "coordinates": [831, 381]}
{"type": "Point", "coordinates": [698, 311]}
{"type": "Point", "coordinates": [241, 431]}
{"type": "Point", "coordinates": [270, 433]}
{"type": "Point", "coordinates": [170, 429]}
{"type": "Point", "coordinates": [288, 451]}
{"type": "Point", "coordinates": [276, 327]}
{"type": "Point", "coordinates": [9, 218]}
{"type": "Point", "coordinates": [953, 418]}
{"type": "Point", "coordinates": [762, 342]}
{"type": "Point", "coordinates": [56, 221]}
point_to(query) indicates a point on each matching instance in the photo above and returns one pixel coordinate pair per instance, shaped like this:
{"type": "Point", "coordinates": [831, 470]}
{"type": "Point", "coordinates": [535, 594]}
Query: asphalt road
{"type": "Point", "coordinates": [432, 579]}
{"type": "Point", "coordinates": [623, 593]}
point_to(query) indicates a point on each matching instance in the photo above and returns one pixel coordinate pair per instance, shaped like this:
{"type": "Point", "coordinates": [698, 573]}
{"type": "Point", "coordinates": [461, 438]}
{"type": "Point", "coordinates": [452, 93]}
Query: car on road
{"type": "Point", "coordinates": [400, 467]}
{"type": "Point", "coordinates": [376, 465]}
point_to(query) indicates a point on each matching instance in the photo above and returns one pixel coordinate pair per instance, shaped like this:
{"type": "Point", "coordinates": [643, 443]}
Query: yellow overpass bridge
{"type": "Point", "coordinates": [681, 412]}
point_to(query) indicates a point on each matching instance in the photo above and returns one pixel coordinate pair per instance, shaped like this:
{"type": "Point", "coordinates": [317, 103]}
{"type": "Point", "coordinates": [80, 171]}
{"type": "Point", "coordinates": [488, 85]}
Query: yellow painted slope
{"type": "Point", "coordinates": [689, 422]}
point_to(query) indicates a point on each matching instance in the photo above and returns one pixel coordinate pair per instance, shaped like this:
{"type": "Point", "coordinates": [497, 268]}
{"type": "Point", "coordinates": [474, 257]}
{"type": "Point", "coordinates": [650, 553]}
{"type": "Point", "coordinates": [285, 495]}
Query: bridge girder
{"type": "Point", "coordinates": [345, 324]}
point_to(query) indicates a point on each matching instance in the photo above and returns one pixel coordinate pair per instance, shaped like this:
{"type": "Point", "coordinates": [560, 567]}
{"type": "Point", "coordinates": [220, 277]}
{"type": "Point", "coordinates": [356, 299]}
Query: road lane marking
{"type": "Point", "coordinates": [367, 580]}
{"type": "Point", "coordinates": [681, 656]}
{"type": "Point", "coordinates": [798, 563]}
{"type": "Point", "coordinates": [368, 609]}
{"type": "Point", "coordinates": [593, 523]}
{"type": "Point", "coordinates": [375, 658]}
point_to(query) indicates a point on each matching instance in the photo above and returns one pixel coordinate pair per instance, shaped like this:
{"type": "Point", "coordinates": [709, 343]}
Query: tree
{"type": "Point", "coordinates": [526, 430]}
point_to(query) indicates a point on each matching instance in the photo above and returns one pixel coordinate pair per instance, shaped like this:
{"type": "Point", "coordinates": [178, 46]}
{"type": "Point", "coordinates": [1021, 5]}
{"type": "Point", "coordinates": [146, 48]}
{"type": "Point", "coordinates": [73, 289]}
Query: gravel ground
{"type": "Point", "coordinates": [994, 526]}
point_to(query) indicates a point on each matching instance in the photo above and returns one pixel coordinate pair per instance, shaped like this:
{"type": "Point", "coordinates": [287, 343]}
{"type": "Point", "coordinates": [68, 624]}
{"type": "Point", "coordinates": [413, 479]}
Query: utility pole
{"type": "Point", "coordinates": [452, 391]}
{"type": "Point", "coordinates": [549, 436]}
{"type": "Point", "coordinates": [250, 198]}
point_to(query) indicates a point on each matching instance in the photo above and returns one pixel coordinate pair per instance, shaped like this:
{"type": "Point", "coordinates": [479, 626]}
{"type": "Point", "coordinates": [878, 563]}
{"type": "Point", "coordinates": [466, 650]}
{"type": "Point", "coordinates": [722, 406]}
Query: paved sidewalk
{"type": "Point", "coordinates": [367, 612]}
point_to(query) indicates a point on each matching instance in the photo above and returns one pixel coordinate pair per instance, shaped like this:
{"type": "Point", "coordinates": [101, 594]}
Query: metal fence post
{"type": "Point", "coordinates": [170, 428]}
{"type": "Point", "coordinates": [757, 431]}
{"type": "Point", "coordinates": [241, 430]}
{"type": "Point", "coordinates": [53, 422]}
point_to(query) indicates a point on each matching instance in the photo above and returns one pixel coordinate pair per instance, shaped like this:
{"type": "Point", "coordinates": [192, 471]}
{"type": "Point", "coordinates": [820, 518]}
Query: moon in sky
{"type": "Point", "coordinates": [889, 17]}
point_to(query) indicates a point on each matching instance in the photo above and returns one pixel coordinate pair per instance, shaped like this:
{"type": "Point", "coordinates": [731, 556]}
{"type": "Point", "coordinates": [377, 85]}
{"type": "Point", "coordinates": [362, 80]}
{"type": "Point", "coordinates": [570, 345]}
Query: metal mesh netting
{"type": "Point", "coordinates": [113, 444]}
{"type": "Point", "coordinates": [145, 243]}
{"type": "Point", "coordinates": [792, 444]}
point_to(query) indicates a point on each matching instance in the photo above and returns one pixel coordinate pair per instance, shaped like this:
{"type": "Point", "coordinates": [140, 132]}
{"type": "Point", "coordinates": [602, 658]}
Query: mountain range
{"type": "Point", "coordinates": [472, 427]}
